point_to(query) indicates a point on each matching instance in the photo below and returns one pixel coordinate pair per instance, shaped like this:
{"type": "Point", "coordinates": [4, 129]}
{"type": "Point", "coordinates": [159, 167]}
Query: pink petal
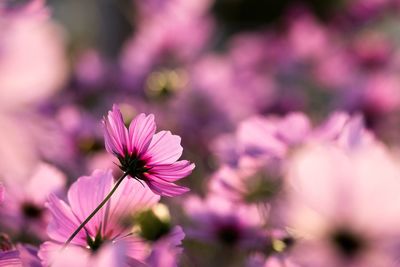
{"type": "Point", "coordinates": [52, 254]}
{"type": "Point", "coordinates": [164, 188]}
{"type": "Point", "coordinates": [10, 259]}
{"type": "Point", "coordinates": [110, 255]}
{"type": "Point", "coordinates": [141, 131]}
{"type": "Point", "coordinates": [45, 180]}
{"type": "Point", "coordinates": [130, 197]}
{"type": "Point", "coordinates": [165, 148]}
{"type": "Point", "coordinates": [172, 172]}
{"type": "Point", "coordinates": [257, 136]}
{"type": "Point", "coordinates": [64, 222]}
{"type": "Point", "coordinates": [86, 194]}
{"type": "Point", "coordinates": [294, 128]}
{"type": "Point", "coordinates": [28, 255]}
{"type": "Point", "coordinates": [166, 250]}
{"type": "Point", "coordinates": [115, 132]}
{"type": "Point", "coordinates": [135, 248]}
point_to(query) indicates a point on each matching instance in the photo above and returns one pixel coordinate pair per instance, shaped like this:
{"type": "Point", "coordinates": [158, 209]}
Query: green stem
{"type": "Point", "coordinates": [96, 210]}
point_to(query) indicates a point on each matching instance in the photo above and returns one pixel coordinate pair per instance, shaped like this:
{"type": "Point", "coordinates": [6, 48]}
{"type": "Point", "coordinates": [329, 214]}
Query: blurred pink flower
{"type": "Point", "coordinates": [171, 37]}
{"type": "Point", "coordinates": [91, 69]}
{"type": "Point", "coordinates": [343, 130]}
{"type": "Point", "coordinates": [308, 39]}
{"type": "Point", "coordinates": [231, 224]}
{"type": "Point", "coordinates": [165, 250]}
{"type": "Point", "coordinates": [145, 155]}
{"type": "Point", "coordinates": [32, 68]}
{"type": "Point", "coordinates": [23, 208]}
{"type": "Point", "coordinates": [253, 185]}
{"type": "Point", "coordinates": [261, 186]}
{"type": "Point", "coordinates": [17, 256]}
{"type": "Point", "coordinates": [261, 140]}
{"type": "Point", "coordinates": [343, 206]}
{"type": "Point", "coordinates": [104, 241]}
{"type": "Point", "coordinates": [32, 60]}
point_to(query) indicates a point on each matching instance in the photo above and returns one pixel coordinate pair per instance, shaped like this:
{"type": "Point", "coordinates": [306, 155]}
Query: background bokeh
{"type": "Point", "coordinates": [241, 81]}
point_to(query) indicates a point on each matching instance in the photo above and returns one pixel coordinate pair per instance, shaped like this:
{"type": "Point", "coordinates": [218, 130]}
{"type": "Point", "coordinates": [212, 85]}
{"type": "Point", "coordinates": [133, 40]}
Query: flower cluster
{"type": "Point", "coordinates": [288, 112]}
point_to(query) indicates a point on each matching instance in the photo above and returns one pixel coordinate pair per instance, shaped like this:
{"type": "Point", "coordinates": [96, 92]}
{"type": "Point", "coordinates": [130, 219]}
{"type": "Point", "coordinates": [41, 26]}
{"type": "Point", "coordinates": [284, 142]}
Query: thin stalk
{"type": "Point", "coordinates": [96, 209]}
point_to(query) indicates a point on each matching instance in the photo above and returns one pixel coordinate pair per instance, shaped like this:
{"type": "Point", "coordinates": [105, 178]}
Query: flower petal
{"type": "Point", "coordinates": [115, 132]}
{"type": "Point", "coordinates": [165, 148]}
{"type": "Point", "coordinates": [141, 131]}
{"type": "Point", "coordinates": [10, 259]}
{"type": "Point", "coordinates": [64, 222]}
{"type": "Point", "coordinates": [86, 194]}
{"type": "Point", "coordinates": [52, 254]}
{"type": "Point", "coordinates": [172, 172]}
{"type": "Point", "coordinates": [45, 180]}
{"type": "Point", "coordinates": [135, 248]}
{"type": "Point", "coordinates": [130, 198]}
{"type": "Point", "coordinates": [165, 188]}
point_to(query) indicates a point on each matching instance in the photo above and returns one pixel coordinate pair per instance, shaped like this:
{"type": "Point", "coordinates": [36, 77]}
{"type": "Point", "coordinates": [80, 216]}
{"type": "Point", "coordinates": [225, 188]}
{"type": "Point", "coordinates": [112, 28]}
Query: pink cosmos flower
{"type": "Point", "coordinates": [24, 200]}
{"type": "Point", "coordinates": [220, 221]}
{"type": "Point", "coordinates": [145, 155]}
{"type": "Point", "coordinates": [344, 206]}
{"type": "Point", "coordinates": [104, 241]}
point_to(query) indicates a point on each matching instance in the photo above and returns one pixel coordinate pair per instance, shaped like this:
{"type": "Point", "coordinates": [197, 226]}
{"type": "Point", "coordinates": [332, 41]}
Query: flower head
{"type": "Point", "coordinates": [332, 211]}
{"type": "Point", "coordinates": [24, 201]}
{"type": "Point", "coordinates": [145, 155]}
{"type": "Point", "coordinates": [223, 222]}
{"type": "Point", "coordinates": [105, 236]}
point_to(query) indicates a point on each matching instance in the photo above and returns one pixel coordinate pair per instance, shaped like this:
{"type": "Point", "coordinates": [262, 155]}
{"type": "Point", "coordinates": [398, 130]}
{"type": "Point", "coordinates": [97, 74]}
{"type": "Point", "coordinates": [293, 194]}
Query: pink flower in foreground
{"type": "Point", "coordinates": [344, 207]}
{"type": "Point", "coordinates": [104, 241]}
{"type": "Point", "coordinates": [145, 155]}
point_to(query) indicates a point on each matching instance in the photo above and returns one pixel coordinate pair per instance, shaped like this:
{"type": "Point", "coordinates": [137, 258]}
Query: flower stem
{"type": "Point", "coordinates": [96, 209]}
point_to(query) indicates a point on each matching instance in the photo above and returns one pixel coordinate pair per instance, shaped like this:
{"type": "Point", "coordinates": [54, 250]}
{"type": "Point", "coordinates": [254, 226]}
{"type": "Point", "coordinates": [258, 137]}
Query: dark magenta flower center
{"type": "Point", "coordinates": [133, 165]}
{"type": "Point", "coordinates": [347, 243]}
{"type": "Point", "coordinates": [228, 234]}
{"type": "Point", "coordinates": [31, 210]}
